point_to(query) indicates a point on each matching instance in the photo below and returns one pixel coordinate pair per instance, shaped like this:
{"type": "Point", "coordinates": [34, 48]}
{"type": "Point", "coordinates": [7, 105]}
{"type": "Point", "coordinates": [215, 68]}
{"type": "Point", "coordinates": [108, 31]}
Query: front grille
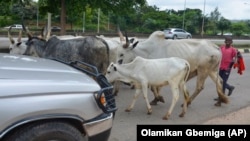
{"type": "Point", "coordinates": [106, 87]}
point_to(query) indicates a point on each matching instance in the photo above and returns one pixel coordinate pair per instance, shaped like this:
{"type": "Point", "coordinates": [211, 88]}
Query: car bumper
{"type": "Point", "coordinates": [99, 129]}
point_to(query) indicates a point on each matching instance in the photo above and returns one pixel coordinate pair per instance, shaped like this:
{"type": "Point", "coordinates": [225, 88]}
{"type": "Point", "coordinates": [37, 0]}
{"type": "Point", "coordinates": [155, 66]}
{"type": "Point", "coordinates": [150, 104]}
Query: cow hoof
{"type": "Point", "coordinates": [161, 99]}
{"type": "Point", "coordinates": [218, 104]}
{"type": "Point", "coordinates": [154, 102]}
{"type": "Point", "coordinates": [165, 118]}
{"type": "Point", "coordinates": [224, 99]}
{"type": "Point", "coordinates": [150, 111]}
{"type": "Point", "coordinates": [181, 115]}
{"type": "Point", "coordinates": [127, 110]}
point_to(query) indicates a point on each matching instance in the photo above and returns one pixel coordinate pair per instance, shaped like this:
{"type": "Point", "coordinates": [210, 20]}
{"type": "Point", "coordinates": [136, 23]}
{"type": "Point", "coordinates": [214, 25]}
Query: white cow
{"type": "Point", "coordinates": [153, 72]}
{"type": "Point", "coordinates": [114, 43]}
{"type": "Point", "coordinates": [203, 56]}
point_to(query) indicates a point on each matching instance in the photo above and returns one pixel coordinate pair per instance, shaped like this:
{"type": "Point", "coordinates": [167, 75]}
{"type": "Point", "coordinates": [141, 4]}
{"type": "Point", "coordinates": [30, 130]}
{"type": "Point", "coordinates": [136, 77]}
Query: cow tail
{"type": "Point", "coordinates": [108, 52]}
{"type": "Point", "coordinates": [187, 72]}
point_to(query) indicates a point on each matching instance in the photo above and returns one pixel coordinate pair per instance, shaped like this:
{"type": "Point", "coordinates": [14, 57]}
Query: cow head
{"type": "Point", "coordinates": [35, 44]}
{"type": "Point", "coordinates": [35, 47]}
{"type": "Point", "coordinates": [125, 53]}
{"type": "Point", "coordinates": [18, 47]}
{"type": "Point", "coordinates": [111, 73]}
{"type": "Point", "coordinates": [114, 73]}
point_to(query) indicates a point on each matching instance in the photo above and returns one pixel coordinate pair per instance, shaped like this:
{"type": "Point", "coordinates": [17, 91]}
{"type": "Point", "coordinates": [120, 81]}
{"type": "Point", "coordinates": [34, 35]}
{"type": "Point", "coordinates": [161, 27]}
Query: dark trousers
{"type": "Point", "coordinates": [224, 74]}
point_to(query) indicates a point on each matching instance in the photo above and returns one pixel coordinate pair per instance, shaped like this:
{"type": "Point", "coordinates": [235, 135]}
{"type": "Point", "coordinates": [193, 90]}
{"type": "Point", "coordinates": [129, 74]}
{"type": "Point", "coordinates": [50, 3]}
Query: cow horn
{"type": "Point", "coordinates": [27, 31]}
{"type": "Point", "coordinates": [42, 33]}
{"type": "Point", "coordinates": [127, 41]}
{"type": "Point", "coordinates": [120, 34]}
{"type": "Point", "coordinates": [20, 36]}
{"type": "Point", "coordinates": [48, 34]}
{"type": "Point", "coordinates": [10, 37]}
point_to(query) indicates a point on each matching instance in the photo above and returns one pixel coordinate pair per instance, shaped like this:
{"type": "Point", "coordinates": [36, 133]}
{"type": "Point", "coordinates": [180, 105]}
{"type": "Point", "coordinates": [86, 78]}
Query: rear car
{"type": "Point", "coordinates": [176, 33]}
{"type": "Point", "coordinates": [14, 26]}
{"type": "Point", "coordinates": [43, 99]}
{"type": "Point", "coordinates": [55, 29]}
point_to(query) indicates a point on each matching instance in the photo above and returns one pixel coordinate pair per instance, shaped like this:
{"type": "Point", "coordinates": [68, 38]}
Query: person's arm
{"type": "Point", "coordinates": [234, 59]}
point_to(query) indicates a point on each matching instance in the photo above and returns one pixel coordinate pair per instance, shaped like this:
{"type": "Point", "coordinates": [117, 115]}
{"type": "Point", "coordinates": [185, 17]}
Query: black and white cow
{"type": "Point", "coordinates": [89, 49]}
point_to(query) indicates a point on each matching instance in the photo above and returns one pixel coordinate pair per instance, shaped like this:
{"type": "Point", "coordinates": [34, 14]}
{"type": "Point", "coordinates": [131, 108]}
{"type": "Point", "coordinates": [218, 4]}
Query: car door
{"type": "Point", "coordinates": [182, 34]}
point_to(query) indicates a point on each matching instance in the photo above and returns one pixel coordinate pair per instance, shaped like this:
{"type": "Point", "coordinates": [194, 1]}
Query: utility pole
{"type": "Point", "coordinates": [37, 15]}
{"type": "Point", "coordinates": [183, 20]}
{"type": "Point", "coordinates": [83, 22]}
{"type": "Point", "coordinates": [202, 27]}
{"type": "Point", "coordinates": [98, 20]}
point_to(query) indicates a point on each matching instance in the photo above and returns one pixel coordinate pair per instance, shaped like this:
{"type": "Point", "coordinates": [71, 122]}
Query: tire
{"type": "Point", "coordinates": [188, 37]}
{"type": "Point", "coordinates": [175, 37]}
{"type": "Point", "coordinates": [49, 131]}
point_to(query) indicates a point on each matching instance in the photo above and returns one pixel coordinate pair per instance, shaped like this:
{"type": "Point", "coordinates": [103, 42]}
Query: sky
{"type": "Point", "coordinates": [229, 9]}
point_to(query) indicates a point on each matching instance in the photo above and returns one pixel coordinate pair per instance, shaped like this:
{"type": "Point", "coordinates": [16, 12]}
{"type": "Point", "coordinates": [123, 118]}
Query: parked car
{"type": "Point", "coordinates": [14, 26]}
{"type": "Point", "coordinates": [55, 28]}
{"type": "Point", "coordinates": [43, 99]}
{"type": "Point", "coordinates": [225, 34]}
{"type": "Point", "coordinates": [176, 33]}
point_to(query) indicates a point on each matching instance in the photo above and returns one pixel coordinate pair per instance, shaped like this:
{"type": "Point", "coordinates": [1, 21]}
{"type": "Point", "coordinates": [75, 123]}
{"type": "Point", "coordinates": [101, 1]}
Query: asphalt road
{"type": "Point", "coordinates": [201, 109]}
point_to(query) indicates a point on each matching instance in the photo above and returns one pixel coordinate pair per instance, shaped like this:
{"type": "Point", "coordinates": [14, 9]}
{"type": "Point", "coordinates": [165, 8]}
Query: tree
{"type": "Point", "coordinates": [238, 28]}
{"type": "Point", "coordinates": [223, 25]}
{"type": "Point", "coordinates": [213, 20]}
{"type": "Point", "coordinates": [121, 7]}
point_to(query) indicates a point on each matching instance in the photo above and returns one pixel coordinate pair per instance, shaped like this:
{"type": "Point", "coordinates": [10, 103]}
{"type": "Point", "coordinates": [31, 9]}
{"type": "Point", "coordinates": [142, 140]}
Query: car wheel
{"type": "Point", "coordinates": [188, 37]}
{"type": "Point", "coordinates": [56, 131]}
{"type": "Point", "coordinates": [175, 37]}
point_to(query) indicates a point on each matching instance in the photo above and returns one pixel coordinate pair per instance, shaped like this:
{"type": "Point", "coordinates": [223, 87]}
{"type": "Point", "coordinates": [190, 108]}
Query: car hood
{"type": "Point", "coordinates": [31, 75]}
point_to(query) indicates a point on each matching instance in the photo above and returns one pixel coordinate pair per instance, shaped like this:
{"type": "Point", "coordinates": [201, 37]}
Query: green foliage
{"type": "Point", "coordinates": [129, 15]}
{"type": "Point", "coordinates": [223, 25]}
{"type": "Point", "coordinates": [238, 28]}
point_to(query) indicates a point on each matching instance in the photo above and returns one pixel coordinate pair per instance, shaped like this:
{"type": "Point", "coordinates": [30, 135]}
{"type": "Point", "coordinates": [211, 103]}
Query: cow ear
{"type": "Point", "coordinates": [135, 44]}
{"type": "Point", "coordinates": [131, 40]}
{"type": "Point", "coordinates": [18, 44]}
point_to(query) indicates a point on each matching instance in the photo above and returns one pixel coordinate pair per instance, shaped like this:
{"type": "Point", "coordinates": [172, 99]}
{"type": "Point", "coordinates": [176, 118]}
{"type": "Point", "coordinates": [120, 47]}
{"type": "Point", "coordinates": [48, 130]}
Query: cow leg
{"type": "Point", "coordinates": [145, 96]}
{"type": "Point", "coordinates": [186, 98]}
{"type": "Point", "coordinates": [158, 97]}
{"type": "Point", "coordinates": [217, 80]}
{"type": "Point", "coordinates": [116, 85]}
{"type": "Point", "coordinates": [175, 92]}
{"type": "Point", "coordinates": [201, 77]}
{"type": "Point", "coordinates": [131, 106]}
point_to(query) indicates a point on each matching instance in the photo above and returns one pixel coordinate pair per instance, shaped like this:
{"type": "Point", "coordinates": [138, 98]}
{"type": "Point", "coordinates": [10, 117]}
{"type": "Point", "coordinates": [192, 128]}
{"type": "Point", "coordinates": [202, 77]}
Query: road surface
{"type": "Point", "coordinates": [201, 111]}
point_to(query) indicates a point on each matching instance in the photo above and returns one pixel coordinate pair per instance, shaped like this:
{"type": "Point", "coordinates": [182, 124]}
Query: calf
{"type": "Point", "coordinates": [153, 72]}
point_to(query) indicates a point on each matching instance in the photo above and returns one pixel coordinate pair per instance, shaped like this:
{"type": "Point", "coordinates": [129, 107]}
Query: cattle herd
{"type": "Point", "coordinates": [151, 63]}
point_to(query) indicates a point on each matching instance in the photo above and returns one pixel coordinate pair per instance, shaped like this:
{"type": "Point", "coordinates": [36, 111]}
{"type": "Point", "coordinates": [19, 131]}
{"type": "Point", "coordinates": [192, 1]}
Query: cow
{"type": "Point", "coordinates": [114, 43]}
{"type": "Point", "coordinates": [89, 49]}
{"type": "Point", "coordinates": [18, 47]}
{"type": "Point", "coordinates": [203, 56]}
{"type": "Point", "coordinates": [143, 72]}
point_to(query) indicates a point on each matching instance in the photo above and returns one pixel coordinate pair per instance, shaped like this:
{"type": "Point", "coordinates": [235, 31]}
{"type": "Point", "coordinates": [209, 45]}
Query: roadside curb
{"type": "Point", "coordinates": [244, 50]}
